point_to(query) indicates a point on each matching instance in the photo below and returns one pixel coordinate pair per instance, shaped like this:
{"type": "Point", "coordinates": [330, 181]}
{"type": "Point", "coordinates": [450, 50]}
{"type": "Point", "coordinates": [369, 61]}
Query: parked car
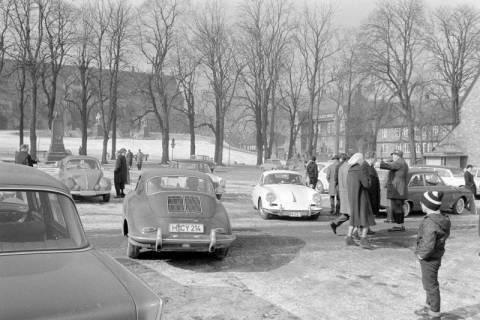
{"type": "Point", "coordinates": [204, 166]}
{"type": "Point", "coordinates": [323, 184]}
{"type": "Point", "coordinates": [272, 164]}
{"type": "Point", "coordinates": [284, 193]}
{"type": "Point", "coordinates": [421, 180]}
{"type": "Point", "coordinates": [175, 210]}
{"type": "Point", "coordinates": [84, 177]}
{"type": "Point", "coordinates": [48, 268]}
{"type": "Point", "coordinates": [450, 175]}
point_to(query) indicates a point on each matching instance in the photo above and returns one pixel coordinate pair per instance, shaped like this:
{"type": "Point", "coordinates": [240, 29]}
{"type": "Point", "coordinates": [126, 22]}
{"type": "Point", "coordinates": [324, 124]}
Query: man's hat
{"type": "Point", "coordinates": [335, 157]}
{"type": "Point", "coordinates": [397, 152]}
{"type": "Point", "coordinates": [432, 200]}
{"type": "Point", "coordinates": [122, 150]}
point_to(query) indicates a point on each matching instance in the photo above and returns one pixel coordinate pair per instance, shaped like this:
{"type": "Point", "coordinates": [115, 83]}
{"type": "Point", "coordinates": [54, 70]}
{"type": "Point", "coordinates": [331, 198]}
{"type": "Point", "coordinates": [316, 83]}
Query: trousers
{"type": "Point", "coordinates": [430, 282]}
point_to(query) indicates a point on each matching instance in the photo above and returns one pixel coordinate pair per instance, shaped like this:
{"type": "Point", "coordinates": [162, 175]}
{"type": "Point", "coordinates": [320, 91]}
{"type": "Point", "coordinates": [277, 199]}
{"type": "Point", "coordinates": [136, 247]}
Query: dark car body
{"type": "Point", "coordinates": [421, 180]}
{"type": "Point", "coordinates": [84, 177]}
{"type": "Point", "coordinates": [205, 166]}
{"type": "Point", "coordinates": [48, 270]}
{"type": "Point", "coordinates": [165, 213]}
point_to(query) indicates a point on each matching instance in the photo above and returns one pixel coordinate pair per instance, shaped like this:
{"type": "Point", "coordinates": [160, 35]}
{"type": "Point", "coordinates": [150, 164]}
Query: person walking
{"type": "Point", "coordinates": [139, 157]}
{"type": "Point", "coordinates": [361, 216]}
{"type": "Point", "coordinates": [341, 181]}
{"type": "Point", "coordinates": [431, 238]}
{"type": "Point", "coordinates": [129, 157]}
{"type": "Point", "coordinates": [469, 180]}
{"type": "Point", "coordinates": [397, 190]}
{"type": "Point", "coordinates": [23, 157]}
{"type": "Point", "coordinates": [312, 172]}
{"type": "Point", "coordinates": [332, 184]}
{"type": "Point", "coordinates": [120, 174]}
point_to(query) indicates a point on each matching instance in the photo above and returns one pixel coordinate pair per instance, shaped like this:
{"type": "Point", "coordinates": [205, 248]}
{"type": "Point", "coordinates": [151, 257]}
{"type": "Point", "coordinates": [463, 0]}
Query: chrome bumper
{"type": "Point", "coordinates": [89, 193]}
{"type": "Point", "coordinates": [293, 213]}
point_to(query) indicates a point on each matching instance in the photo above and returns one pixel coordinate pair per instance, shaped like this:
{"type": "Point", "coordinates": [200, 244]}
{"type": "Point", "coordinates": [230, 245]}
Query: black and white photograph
{"type": "Point", "coordinates": [239, 159]}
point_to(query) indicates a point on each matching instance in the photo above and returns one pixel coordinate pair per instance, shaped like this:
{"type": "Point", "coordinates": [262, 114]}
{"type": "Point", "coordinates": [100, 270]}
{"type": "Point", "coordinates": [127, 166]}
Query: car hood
{"type": "Point", "coordinates": [291, 192]}
{"type": "Point", "coordinates": [196, 204]}
{"type": "Point", "coordinates": [71, 285]}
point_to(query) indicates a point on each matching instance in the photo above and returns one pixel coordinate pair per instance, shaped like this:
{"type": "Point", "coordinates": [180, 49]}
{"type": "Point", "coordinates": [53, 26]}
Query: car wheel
{"type": "Point", "coordinates": [132, 250]}
{"type": "Point", "coordinates": [263, 214]}
{"type": "Point", "coordinates": [406, 208]}
{"type": "Point", "coordinates": [221, 253]}
{"type": "Point", "coordinates": [459, 206]}
{"type": "Point", "coordinates": [219, 196]}
{"type": "Point", "coordinates": [314, 216]}
{"type": "Point", "coordinates": [106, 197]}
{"type": "Point", "coordinates": [320, 187]}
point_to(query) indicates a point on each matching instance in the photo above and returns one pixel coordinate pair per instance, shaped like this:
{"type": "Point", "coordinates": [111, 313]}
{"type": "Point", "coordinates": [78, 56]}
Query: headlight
{"type": "Point", "coordinates": [270, 197]}
{"type": "Point", "coordinates": [103, 183]}
{"type": "Point", "coordinates": [317, 198]}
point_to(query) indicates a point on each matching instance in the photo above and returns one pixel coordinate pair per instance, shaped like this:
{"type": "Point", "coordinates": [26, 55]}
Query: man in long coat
{"type": "Point", "coordinates": [332, 184]}
{"type": "Point", "coordinates": [312, 172]}
{"type": "Point", "coordinates": [374, 190]}
{"type": "Point", "coordinates": [397, 187]}
{"type": "Point", "coordinates": [341, 181]}
{"type": "Point", "coordinates": [120, 174]}
{"type": "Point", "coordinates": [469, 180]}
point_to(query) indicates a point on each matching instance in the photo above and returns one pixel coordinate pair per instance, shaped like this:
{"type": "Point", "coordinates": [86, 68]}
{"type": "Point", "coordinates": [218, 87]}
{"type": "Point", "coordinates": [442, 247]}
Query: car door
{"type": "Point", "coordinates": [434, 183]}
{"type": "Point", "coordinates": [416, 188]}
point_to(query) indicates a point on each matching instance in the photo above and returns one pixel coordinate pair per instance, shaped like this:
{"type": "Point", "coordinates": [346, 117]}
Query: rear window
{"type": "Point", "coordinates": [37, 221]}
{"type": "Point", "coordinates": [184, 183]}
{"type": "Point", "coordinates": [84, 164]}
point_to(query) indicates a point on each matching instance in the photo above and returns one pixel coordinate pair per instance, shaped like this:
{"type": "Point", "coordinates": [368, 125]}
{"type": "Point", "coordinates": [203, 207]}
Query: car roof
{"type": "Point", "coordinates": [154, 172]}
{"type": "Point", "coordinates": [193, 161]}
{"type": "Point", "coordinates": [281, 171]}
{"type": "Point", "coordinates": [26, 177]}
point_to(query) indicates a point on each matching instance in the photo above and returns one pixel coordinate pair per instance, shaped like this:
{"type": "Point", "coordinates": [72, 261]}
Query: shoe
{"type": "Point", "coordinates": [433, 315]}
{"type": "Point", "coordinates": [334, 227]}
{"type": "Point", "coordinates": [395, 229]}
{"type": "Point", "coordinates": [370, 232]}
{"type": "Point", "coordinates": [355, 236]}
{"type": "Point", "coordinates": [365, 244]}
{"type": "Point", "coordinates": [423, 311]}
{"type": "Point", "coordinates": [350, 242]}
{"type": "Point", "coordinates": [118, 196]}
{"type": "Point", "coordinates": [122, 195]}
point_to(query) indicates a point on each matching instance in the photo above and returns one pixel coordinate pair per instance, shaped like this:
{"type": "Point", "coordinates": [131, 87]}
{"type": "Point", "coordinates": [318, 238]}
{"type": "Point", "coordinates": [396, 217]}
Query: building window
{"type": "Point", "coordinates": [406, 148]}
{"type": "Point", "coordinates": [330, 128]}
{"type": "Point", "coordinates": [405, 132]}
{"type": "Point", "coordinates": [435, 131]}
{"type": "Point", "coordinates": [383, 148]}
{"type": "Point", "coordinates": [383, 133]}
{"type": "Point", "coordinates": [418, 148]}
{"type": "Point", "coordinates": [398, 132]}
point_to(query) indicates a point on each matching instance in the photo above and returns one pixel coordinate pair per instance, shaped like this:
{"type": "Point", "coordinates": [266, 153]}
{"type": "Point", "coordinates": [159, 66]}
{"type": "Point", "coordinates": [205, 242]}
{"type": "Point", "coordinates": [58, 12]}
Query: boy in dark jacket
{"type": "Point", "coordinates": [432, 235]}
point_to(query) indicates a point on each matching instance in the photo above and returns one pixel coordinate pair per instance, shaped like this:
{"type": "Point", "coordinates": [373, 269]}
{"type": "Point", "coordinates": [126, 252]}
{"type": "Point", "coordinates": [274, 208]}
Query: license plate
{"type": "Point", "coordinates": [295, 214]}
{"type": "Point", "coordinates": [186, 227]}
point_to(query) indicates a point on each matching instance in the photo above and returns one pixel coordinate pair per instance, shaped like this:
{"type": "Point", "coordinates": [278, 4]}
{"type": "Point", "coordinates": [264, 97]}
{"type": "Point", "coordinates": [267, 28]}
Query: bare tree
{"type": "Point", "coordinates": [5, 24]}
{"type": "Point", "coordinates": [157, 23]}
{"type": "Point", "coordinates": [214, 42]}
{"type": "Point", "coordinates": [265, 30]}
{"type": "Point", "coordinates": [28, 22]}
{"type": "Point", "coordinates": [313, 39]}
{"type": "Point", "coordinates": [454, 42]}
{"type": "Point", "coordinates": [393, 46]}
{"type": "Point", "coordinates": [59, 31]}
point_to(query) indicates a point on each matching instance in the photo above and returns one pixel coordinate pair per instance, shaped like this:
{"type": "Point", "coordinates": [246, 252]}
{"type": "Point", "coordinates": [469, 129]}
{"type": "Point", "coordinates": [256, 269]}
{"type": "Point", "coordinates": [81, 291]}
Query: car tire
{"type": "Point", "coordinates": [314, 216]}
{"type": "Point", "coordinates": [132, 250]}
{"type": "Point", "coordinates": [263, 214]}
{"type": "Point", "coordinates": [459, 206]}
{"type": "Point", "coordinates": [320, 188]}
{"type": "Point", "coordinates": [219, 196]}
{"type": "Point", "coordinates": [106, 197]}
{"type": "Point", "coordinates": [406, 208]}
{"type": "Point", "coordinates": [221, 253]}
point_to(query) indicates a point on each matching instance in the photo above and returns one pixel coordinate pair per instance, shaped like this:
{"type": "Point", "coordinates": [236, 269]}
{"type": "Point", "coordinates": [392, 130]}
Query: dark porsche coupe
{"type": "Point", "coordinates": [175, 210]}
{"type": "Point", "coordinates": [48, 269]}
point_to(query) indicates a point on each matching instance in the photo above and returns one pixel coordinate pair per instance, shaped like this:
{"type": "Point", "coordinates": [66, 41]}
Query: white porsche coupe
{"type": "Point", "coordinates": [284, 193]}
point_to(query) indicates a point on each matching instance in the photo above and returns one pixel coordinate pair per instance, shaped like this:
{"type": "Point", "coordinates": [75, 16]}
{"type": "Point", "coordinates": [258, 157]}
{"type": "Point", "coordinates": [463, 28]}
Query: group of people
{"type": "Point", "coordinates": [121, 173]}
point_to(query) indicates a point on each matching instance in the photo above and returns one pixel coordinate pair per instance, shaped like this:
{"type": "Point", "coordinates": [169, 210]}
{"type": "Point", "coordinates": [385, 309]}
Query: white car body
{"type": "Point", "coordinates": [323, 184]}
{"type": "Point", "coordinates": [452, 178]}
{"type": "Point", "coordinates": [284, 193]}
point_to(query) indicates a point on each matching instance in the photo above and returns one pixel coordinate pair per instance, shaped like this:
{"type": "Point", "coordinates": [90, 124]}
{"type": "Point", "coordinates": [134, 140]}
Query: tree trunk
{"type": "Point", "coordinates": [114, 128]}
{"type": "Point", "coordinates": [105, 146]}
{"type": "Point", "coordinates": [191, 124]}
{"type": "Point", "coordinates": [411, 138]}
{"type": "Point", "coordinates": [52, 100]}
{"type": "Point", "coordinates": [259, 136]}
{"type": "Point", "coordinates": [291, 141]}
{"type": "Point", "coordinates": [219, 136]}
{"type": "Point", "coordinates": [455, 105]}
{"type": "Point", "coordinates": [21, 106]}
{"type": "Point", "coordinates": [165, 142]}
{"type": "Point", "coordinates": [33, 123]}
{"type": "Point", "coordinates": [310, 129]}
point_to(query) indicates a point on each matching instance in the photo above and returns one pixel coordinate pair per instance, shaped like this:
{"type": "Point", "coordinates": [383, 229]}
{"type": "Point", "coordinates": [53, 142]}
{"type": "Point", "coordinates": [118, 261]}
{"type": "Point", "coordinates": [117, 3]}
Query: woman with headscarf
{"type": "Point", "coordinates": [361, 215]}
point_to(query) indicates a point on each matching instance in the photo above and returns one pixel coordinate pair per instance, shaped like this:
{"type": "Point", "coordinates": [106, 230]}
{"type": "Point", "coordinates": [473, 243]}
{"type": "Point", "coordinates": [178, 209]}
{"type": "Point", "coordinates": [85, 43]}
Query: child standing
{"type": "Point", "coordinates": [432, 235]}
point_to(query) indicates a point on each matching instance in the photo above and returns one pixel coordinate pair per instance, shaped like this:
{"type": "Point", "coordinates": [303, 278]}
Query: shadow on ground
{"type": "Point", "coordinates": [249, 253]}
{"type": "Point", "coordinates": [468, 312]}
{"type": "Point", "coordinates": [386, 239]}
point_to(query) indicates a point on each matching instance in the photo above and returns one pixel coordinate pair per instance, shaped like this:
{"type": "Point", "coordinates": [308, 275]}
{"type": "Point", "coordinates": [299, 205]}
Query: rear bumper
{"type": "Point", "coordinates": [89, 193]}
{"type": "Point", "coordinates": [183, 242]}
{"type": "Point", "coordinates": [293, 213]}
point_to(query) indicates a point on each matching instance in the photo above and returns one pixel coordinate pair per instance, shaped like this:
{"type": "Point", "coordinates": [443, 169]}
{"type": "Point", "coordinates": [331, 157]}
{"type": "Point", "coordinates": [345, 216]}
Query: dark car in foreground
{"type": "Point", "coordinates": [175, 210]}
{"type": "Point", "coordinates": [421, 180]}
{"type": "Point", "coordinates": [48, 270]}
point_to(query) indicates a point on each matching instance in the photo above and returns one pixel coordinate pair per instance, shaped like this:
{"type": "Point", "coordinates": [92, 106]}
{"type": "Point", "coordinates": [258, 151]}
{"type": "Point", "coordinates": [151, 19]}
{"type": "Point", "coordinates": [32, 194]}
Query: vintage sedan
{"type": "Point", "coordinates": [204, 166]}
{"type": "Point", "coordinates": [48, 269]}
{"type": "Point", "coordinates": [175, 210]}
{"type": "Point", "coordinates": [421, 180]}
{"type": "Point", "coordinates": [84, 177]}
{"type": "Point", "coordinates": [283, 193]}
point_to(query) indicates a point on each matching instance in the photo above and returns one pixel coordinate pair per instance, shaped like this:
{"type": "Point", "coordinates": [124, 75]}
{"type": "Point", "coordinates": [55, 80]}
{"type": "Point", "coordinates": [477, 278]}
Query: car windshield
{"type": "Point", "coordinates": [183, 183]}
{"type": "Point", "coordinates": [196, 166]}
{"type": "Point", "coordinates": [38, 221]}
{"type": "Point", "coordinates": [84, 164]}
{"type": "Point", "coordinates": [283, 178]}
{"type": "Point", "coordinates": [458, 172]}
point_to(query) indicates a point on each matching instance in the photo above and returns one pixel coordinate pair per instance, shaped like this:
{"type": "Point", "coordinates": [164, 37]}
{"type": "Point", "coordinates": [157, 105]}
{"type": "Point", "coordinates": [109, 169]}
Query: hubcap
{"type": "Point", "coordinates": [460, 205]}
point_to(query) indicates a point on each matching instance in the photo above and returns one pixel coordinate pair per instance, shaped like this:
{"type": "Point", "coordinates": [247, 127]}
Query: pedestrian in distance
{"type": "Point", "coordinates": [23, 157]}
{"type": "Point", "coordinates": [139, 157]}
{"type": "Point", "coordinates": [332, 185]}
{"type": "Point", "coordinates": [397, 190]}
{"type": "Point", "coordinates": [361, 216]}
{"type": "Point", "coordinates": [312, 172]}
{"type": "Point", "coordinates": [120, 173]}
{"type": "Point", "coordinates": [469, 180]}
{"type": "Point", "coordinates": [341, 181]}
{"type": "Point", "coordinates": [431, 238]}
{"type": "Point", "coordinates": [129, 157]}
